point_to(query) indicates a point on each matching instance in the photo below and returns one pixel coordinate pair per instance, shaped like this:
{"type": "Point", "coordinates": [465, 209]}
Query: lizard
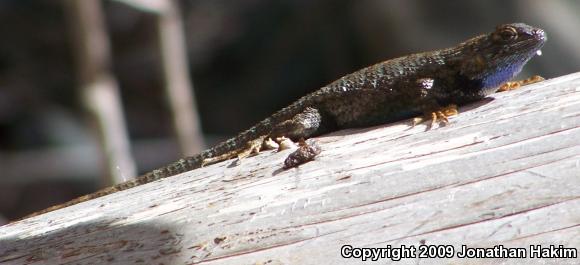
{"type": "Point", "coordinates": [432, 83]}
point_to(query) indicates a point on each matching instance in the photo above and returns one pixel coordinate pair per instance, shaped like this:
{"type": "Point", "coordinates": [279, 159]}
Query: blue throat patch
{"type": "Point", "coordinates": [502, 75]}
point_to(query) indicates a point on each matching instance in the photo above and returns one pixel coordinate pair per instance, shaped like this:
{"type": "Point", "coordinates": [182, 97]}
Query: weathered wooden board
{"type": "Point", "coordinates": [504, 172]}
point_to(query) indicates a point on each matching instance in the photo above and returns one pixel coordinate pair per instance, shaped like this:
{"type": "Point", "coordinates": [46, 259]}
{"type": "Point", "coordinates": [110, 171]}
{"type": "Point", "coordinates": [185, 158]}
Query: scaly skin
{"type": "Point", "coordinates": [385, 92]}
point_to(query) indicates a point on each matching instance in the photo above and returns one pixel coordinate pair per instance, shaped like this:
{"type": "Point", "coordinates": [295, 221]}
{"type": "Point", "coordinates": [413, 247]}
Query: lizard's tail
{"type": "Point", "coordinates": [180, 166]}
{"type": "Point", "coordinates": [190, 163]}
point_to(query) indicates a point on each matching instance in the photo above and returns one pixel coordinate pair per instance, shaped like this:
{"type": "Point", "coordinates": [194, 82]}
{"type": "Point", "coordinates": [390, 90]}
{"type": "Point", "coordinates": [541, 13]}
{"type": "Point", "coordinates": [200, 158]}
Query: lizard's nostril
{"type": "Point", "coordinates": [539, 34]}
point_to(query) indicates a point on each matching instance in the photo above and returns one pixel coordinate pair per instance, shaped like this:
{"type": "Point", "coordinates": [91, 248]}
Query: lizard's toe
{"type": "Point", "coordinates": [438, 116]}
{"type": "Point", "coordinates": [286, 143]}
{"type": "Point", "coordinates": [517, 84]}
{"type": "Point", "coordinates": [270, 144]}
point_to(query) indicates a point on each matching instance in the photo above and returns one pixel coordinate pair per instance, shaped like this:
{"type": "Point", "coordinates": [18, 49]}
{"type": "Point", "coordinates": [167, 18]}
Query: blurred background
{"type": "Point", "coordinates": [93, 92]}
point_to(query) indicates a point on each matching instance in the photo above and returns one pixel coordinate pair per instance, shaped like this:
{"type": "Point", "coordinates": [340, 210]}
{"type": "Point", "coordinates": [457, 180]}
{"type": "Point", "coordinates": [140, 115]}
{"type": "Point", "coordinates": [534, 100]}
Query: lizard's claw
{"type": "Point", "coordinates": [437, 116]}
{"type": "Point", "coordinates": [517, 84]}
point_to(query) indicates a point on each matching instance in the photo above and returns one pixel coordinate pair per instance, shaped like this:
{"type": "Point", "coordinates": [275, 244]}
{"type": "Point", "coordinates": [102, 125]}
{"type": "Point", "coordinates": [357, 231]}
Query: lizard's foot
{"type": "Point", "coordinates": [437, 116]}
{"type": "Point", "coordinates": [252, 147]}
{"type": "Point", "coordinates": [215, 159]}
{"type": "Point", "coordinates": [307, 151]}
{"type": "Point", "coordinates": [517, 84]}
{"type": "Point", "coordinates": [270, 144]}
{"type": "Point", "coordinates": [281, 143]}
{"type": "Point", "coordinates": [286, 143]}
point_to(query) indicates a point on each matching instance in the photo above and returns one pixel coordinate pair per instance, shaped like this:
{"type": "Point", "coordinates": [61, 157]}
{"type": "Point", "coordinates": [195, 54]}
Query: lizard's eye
{"type": "Point", "coordinates": [508, 33]}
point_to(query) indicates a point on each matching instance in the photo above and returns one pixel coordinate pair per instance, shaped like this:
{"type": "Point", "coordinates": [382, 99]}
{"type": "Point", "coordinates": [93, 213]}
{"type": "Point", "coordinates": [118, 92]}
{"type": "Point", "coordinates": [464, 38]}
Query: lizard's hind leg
{"type": "Point", "coordinates": [303, 125]}
{"type": "Point", "coordinates": [308, 123]}
{"type": "Point", "coordinates": [252, 147]}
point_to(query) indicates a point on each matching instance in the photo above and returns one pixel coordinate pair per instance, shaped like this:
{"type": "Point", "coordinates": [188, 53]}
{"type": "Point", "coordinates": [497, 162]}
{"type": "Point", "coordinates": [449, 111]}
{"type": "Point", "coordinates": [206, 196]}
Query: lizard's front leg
{"type": "Point", "coordinates": [435, 113]}
{"type": "Point", "coordinates": [427, 103]}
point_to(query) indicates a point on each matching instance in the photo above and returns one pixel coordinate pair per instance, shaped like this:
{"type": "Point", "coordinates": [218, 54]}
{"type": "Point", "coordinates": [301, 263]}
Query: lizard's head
{"type": "Point", "coordinates": [496, 57]}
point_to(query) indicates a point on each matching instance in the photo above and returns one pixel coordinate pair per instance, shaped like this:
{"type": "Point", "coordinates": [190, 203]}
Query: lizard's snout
{"type": "Point", "coordinates": [540, 35]}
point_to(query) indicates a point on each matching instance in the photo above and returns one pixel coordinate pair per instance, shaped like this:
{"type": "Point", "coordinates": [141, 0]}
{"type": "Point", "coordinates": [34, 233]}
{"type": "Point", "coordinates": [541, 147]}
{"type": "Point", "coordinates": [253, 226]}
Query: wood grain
{"type": "Point", "coordinates": [506, 171]}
